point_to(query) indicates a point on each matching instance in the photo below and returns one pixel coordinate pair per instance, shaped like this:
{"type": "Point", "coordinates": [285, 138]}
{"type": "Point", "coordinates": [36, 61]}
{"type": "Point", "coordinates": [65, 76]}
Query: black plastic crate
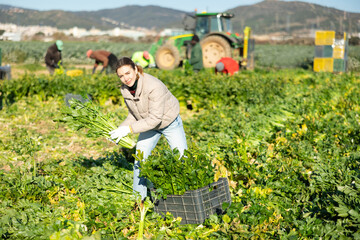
{"type": "Point", "coordinates": [196, 205]}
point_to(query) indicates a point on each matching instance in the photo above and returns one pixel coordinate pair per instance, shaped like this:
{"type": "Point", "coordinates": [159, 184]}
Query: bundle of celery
{"type": "Point", "coordinates": [80, 114]}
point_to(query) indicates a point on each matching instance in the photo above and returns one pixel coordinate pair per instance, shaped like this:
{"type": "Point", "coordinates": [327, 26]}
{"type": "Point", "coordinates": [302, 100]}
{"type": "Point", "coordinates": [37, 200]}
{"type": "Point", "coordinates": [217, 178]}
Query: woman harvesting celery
{"type": "Point", "coordinates": [153, 111]}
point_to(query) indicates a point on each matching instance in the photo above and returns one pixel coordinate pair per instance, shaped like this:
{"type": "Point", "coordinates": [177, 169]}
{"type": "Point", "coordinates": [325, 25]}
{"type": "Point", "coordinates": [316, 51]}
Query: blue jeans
{"type": "Point", "coordinates": [175, 136]}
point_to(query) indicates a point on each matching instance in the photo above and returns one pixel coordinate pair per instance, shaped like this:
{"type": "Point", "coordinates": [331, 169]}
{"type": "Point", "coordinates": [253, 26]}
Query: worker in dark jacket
{"type": "Point", "coordinates": [196, 59]}
{"type": "Point", "coordinates": [107, 59]}
{"type": "Point", "coordinates": [53, 56]}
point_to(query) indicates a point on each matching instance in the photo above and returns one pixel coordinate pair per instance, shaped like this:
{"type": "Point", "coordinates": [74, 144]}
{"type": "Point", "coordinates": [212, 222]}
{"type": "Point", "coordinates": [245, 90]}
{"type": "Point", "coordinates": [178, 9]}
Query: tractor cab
{"type": "Point", "coordinates": [212, 22]}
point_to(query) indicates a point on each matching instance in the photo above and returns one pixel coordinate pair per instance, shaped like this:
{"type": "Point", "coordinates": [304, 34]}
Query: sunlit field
{"type": "Point", "coordinates": [286, 138]}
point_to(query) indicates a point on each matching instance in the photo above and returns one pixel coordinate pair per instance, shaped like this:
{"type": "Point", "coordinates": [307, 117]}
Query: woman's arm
{"type": "Point", "coordinates": [130, 119]}
{"type": "Point", "coordinates": [156, 106]}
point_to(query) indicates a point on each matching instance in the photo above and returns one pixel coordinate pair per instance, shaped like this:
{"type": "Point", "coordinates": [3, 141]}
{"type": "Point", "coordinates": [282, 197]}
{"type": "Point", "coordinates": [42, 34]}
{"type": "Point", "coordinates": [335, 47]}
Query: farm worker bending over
{"type": "Point", "coordinates": [53, 56]}
{"type": "Point", "coordinates": [144, 59]}
{"type": "Point", "coordinates": [227, 65]}
{"type": "Point", "coordinates": [196, 59]}
{"type": "Point", "coordinates": [107, 59]}
{"type": "Point", "coordinates": [153, 111]}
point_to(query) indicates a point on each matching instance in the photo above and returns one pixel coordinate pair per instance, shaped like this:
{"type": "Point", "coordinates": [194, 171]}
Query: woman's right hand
{"type": "Point", "coordinates": [119, 133]}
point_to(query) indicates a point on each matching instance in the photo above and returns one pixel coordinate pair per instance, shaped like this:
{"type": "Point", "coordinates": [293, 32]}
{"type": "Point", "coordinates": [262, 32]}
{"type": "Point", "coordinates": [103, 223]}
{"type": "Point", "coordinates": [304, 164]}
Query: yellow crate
{"type": "Point", "coordinates": [338, 52]}
{"type": "Point", "coordinates": [74, 73]}
{"type": "Point", "coordinates": [323, 64]}
{"type": "Point", "coordinates": [324, 37]}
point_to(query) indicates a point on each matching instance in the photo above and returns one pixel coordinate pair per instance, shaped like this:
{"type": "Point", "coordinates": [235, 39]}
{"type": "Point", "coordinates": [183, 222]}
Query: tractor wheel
{"type": "Point", "coordinates": [167, 57]}
{"type": "Point", "coordinates": [214, 48]}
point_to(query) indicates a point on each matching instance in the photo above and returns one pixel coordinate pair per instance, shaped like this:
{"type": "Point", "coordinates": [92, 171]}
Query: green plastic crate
{"type": "Point", "coordinates": [323, 51]}
{"type": "Point", "coordinates": [339, 65]}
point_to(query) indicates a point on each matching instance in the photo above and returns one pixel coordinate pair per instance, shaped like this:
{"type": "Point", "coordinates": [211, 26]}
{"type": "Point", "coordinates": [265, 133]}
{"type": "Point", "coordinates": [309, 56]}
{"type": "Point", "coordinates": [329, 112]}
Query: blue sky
{"type": "Point", "coordinates": [185, 5]}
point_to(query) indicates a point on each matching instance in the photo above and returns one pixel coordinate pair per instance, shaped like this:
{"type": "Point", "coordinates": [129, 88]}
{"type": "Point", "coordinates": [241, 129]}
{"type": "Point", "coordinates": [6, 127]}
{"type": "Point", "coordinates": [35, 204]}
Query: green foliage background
{"type": "Point", "coordinates": [274, 56]}
{"type": "Point", "coordinates": [289, 139]}
{"type": "Point", "coordinates": [73, 53]}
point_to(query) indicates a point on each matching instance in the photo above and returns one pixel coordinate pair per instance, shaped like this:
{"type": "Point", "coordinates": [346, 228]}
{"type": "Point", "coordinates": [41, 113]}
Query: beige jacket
{"type": "Point", "coordinates": [152, 107]}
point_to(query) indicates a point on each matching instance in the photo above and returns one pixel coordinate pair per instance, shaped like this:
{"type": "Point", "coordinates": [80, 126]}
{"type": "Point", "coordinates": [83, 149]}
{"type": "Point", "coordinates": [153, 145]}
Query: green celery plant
{"type": "Point", "coordinates": [87, 115]}
{"type": "Point", "coordinates": [173, 174]}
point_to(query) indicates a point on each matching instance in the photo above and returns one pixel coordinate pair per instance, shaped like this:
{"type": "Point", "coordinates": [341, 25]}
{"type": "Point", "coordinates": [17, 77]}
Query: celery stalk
{"type": "Point", "coordinates": [86, 115]}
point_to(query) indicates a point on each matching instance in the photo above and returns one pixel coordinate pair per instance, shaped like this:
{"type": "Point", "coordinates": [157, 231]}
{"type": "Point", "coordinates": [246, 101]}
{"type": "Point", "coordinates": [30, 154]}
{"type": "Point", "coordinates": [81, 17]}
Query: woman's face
{"type": "Point", "coordinates": [127, 75]}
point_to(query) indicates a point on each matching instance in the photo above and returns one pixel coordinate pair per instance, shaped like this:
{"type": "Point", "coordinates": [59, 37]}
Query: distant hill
{"type": "Point", "coordinates": [277, 16]}
{"type": "Point", "coordinates": [128, 16]}
{"type": "Point", "coordinates": [139, 16]}
{"type": "Point", "coordinates": [269, 16]}
{"type": "Point", "coordinates": [55, 18]}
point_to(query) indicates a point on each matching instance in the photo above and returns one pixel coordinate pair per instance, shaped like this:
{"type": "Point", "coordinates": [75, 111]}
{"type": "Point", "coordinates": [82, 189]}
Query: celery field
{"type": "Point", "coordinates": [286, 139]}
{"type": "Point", "coordinates": [274, 56]}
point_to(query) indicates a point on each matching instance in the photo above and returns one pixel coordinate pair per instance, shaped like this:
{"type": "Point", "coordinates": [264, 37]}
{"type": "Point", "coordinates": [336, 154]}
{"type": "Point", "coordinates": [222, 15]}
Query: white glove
{"type": "Point", "coordinates": [119, 133]}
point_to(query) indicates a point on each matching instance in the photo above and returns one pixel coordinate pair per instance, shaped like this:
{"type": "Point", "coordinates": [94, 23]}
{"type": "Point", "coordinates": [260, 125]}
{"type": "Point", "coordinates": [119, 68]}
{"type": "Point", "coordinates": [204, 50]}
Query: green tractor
{"type": "Point", "coordinates": [216, 39]}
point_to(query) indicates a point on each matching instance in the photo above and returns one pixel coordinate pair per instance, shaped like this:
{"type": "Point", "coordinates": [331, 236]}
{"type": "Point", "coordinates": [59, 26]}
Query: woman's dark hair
{"type": "Point", "coordinates": [127, 61]}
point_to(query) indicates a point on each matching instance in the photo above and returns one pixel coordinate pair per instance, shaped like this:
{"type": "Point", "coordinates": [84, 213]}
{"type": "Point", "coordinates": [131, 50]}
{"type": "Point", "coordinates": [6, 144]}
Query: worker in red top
{"type": "Point", "coordinates": [227, 65]}
{"type": "Point", "coordinates": [107, 59]}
